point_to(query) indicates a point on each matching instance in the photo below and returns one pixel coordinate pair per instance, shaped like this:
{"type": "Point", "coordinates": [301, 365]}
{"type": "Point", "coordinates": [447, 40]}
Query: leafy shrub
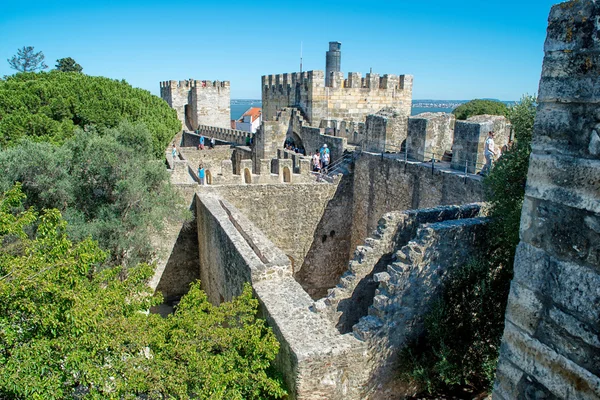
{"type": "Point", "coordinates": [480, 107]}
{"type": "Point", "coordinates": [47, 106]}
{"type": "Point", "coordinates": [463, 329]}
{"type": "Point", "coordinates": [69, 330]}
{"type": "Point", "coordinates": [106, 182]}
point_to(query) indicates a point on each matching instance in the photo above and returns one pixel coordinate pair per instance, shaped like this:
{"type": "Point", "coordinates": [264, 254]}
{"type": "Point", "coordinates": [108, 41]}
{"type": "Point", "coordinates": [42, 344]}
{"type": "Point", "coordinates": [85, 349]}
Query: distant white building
{"type": "Point", "coordinates": [250, 120]}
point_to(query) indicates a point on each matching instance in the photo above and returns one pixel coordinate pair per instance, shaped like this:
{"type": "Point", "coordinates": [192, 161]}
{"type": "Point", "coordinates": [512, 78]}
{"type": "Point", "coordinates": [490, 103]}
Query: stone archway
{"type": "Point", "coordinates": [247, 176]}
{"type": "Point", "coordinates": [287, 175]}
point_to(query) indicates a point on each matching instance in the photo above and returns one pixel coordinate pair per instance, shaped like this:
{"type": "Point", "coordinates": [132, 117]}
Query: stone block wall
{"type": "Point", "coordinates": [551, 347]}
{"type": "Point", "coordinates": [385, 184]}
{"type": "Point", "coordinates": [315, 360]}
{"type": "Point", "coordinates": [430, 134]}
{"type": "Point", "coordinates": [469, 140]}
{"type": "Point", "coordinates": [385, 131]}
{"type": "Point", "coordinates": [351, 99]}
{"type": "Point", "coordinates": [199, 102]}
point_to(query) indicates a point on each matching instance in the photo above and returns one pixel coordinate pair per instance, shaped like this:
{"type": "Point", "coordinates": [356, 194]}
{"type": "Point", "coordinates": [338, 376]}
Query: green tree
{"type": "Point", "coordinates": [480, 107]}
{"type": "Point", "coordinates": [464, 328]}
{"type": "Point", "coordinates": [68, 65]}
{"type": "Point", "coordinates": [107, 184]}
{"type": "Point", "coordinates": [48, 106]}
{"type": "Point", "coordinates": [26, 60]}
{"type": "Point", "coordinates": [70, 330]}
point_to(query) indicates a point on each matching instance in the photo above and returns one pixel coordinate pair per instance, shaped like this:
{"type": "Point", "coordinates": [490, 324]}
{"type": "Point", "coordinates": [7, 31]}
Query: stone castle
{"type": "Point", "coordinates": [346, 264]}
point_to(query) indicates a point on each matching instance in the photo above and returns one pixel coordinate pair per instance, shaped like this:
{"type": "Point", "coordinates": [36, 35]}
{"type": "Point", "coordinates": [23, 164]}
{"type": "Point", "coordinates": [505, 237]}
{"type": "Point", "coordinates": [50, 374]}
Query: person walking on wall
{"type": "Point", "coordinates": [316, 162]}
{"type": "Point", "coordinates": [201, 146]}
{"type": "Point", "coordinates": [489, 151]}
{"type": "Point", "coordinates": [212, 142]}
{"type": "Point", "coordinates": [174, 152]}
{"type": "Point", "coordinates": [324, 158]}
{"type": "Point", "coordinates": [201, 173]}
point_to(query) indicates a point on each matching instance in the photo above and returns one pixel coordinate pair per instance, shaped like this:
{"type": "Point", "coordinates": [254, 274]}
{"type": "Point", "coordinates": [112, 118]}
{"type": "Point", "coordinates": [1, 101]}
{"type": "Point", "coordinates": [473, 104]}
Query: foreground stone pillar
{"type": "Point", "coordinates": [551, 343]}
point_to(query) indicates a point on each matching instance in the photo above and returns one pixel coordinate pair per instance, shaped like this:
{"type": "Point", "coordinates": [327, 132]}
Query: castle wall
{"type": "Point", "coordinates": [551, 345]}
{"type": "Point", "coordinates": [350, 99]}
{"type": "Point", "coordinates": [315, 360]}
{"type": "Point", "coordinates": [385, 184]}
{"type": "Point", "coordinates": [199, 102]}
{"type": "Point", "coordinates": [385, 131]}
{"type": "Point", "coordinates": [287, 214]}
{"type": "Point", "coordinates": [430, 134]}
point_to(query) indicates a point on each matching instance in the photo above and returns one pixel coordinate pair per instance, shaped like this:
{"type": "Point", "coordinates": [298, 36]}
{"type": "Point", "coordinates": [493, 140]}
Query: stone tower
{"type": "Point", "coordinates": [333, 61]}
{"type": "Point", "coordinates": [199, 102]}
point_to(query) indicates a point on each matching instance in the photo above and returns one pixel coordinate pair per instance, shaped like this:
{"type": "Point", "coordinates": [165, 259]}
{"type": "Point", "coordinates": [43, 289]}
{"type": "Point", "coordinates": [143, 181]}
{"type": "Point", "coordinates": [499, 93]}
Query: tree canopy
{"type": "Point", "coordinates": [70, 330]}
{"type": "Point", "coordinates": [68, 65]}
{"type": "Point", "coordinates": [480, 107]}
{"type": "Point", "coordinates": [105, 181]}
{"type": "Point", "coordinates": [47, 106]}
{"type": "Point", "coordinates": [26, 60]}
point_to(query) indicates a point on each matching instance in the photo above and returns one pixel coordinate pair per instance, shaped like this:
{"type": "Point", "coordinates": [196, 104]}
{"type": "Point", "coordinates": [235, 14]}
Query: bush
{"type": "Point", "coordinates": [463, 330]}
{"type": "Point", "coordinates": [107, 184]}
{"type": "Point", "coordinates": [47, 106]}
{"type": "Point", "coordinates": [68, 330]}
{"type": "Point", "coordinates": [480, 107]}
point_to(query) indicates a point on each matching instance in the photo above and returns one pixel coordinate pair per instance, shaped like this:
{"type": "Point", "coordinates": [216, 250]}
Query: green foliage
{"type": "Point", "coordinates": [105, 182]}
{"type": "Point", "coordinates": [68, 65]}
{"type": "Point", "coordinates": [26, 60]}
{"type": "Point", "coordinates": [69, 330]}
{"type": "Point", "coordinates": [48, 106]}
{"type": "Point", "coordinates": [464, 328]}
{"type": "Point", "coordinates": [480, 107]}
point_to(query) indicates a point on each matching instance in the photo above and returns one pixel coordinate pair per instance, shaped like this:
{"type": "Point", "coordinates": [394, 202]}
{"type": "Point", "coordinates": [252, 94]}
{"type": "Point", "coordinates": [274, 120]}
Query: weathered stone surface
{"type": "Point", "coordinates": [430, 134]}
{"type": "Point", "coordinates": [552, 321]}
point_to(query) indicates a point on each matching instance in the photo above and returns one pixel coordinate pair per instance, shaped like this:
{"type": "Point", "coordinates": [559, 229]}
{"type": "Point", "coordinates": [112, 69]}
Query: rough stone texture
{"type": "Point", "coordinates": [385, 184]}
{"type": "Point", "coordinates": [385, 131]}
{"type": "Point", "coordinates": [315, 360]}
{"type": "Point", "coordinates": [350, 299]}
{"type": "Point", "coordinates": [198, 102]}
{"type": "Point", "coordinates": [429, 135]}
{"type": "Point", "coordinates": [348, 100]}
{"type": "Point", "coordinates": [550, 345]}
{"type": "Point", "coordinates": [328, 255]}
{"type": "Point", "coordinates": [287, 214]}
{"type": "Point", "coordinates": [469, 140]}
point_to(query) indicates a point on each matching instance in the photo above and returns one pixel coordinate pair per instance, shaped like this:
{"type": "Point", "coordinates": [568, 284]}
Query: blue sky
{"type": "Point", "coordinates": [455, 50]}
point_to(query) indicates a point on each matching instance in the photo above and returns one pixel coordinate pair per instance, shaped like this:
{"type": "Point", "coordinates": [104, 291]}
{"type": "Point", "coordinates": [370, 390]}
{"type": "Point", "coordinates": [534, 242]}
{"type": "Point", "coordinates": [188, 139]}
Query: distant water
{"type": "Point", "coordinates": [239, 107]}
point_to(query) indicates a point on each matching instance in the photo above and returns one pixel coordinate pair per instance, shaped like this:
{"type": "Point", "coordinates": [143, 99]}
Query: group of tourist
{"type": "Point", "coordinates": [211, 143]}
{"type": "Point", "coordinates": [321, 159]}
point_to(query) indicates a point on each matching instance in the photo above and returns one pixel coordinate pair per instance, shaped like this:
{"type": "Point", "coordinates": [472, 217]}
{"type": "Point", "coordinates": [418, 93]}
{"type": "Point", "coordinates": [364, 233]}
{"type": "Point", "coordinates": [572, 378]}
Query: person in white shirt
{"type": "Point", "coordinates": [489, 151]}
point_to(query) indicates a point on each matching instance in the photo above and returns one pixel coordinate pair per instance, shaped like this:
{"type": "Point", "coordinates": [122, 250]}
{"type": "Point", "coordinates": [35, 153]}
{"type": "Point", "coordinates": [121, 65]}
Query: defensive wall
{"type": "Point", "coordinates": [198, 102]}
{"type": "Point", "coordinates": [350, 99]}
{"type": "Point", "coordinates": [551, 346]}
{"type": "Point", "coordinates": [316, 359]}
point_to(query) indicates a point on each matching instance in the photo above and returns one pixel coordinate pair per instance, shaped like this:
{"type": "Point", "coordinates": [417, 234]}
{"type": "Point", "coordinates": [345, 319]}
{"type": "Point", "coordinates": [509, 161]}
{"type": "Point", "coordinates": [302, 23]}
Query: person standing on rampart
{"type": "Point", "coordinates": [489, 151]}
{"type": "Point", "coordinates": [324, 158]}
{"type": "Point", "coordinates": [316, 162]}
{"type": "Point", "coordinates": [201, 146]}
{"type": "Point", "coordinates": [174, 152]}
{"type": "Point", "coordinates": [201, 173]}
{"type": "Point", "coordinates": [212, 142]}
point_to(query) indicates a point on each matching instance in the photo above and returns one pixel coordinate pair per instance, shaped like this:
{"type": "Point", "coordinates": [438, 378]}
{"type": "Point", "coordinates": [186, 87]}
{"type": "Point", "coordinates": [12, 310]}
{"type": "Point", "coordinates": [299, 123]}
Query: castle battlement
{"type": "Point", "coordinates": [193, 83]}
{"type": "Point", "coordinates": [288, 81]}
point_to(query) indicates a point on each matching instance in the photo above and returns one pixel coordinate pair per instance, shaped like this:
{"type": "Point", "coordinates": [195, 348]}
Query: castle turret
{"type": "Point", "coordinates": [333, 61]}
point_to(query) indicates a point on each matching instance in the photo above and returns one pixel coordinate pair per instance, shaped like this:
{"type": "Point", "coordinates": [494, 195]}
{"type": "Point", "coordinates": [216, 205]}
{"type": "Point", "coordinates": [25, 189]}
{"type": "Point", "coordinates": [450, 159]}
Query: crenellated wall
{"type": "Point", "coordinates": [199, 102]}
{"type": "Point", "coordinates": [350, 99]}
